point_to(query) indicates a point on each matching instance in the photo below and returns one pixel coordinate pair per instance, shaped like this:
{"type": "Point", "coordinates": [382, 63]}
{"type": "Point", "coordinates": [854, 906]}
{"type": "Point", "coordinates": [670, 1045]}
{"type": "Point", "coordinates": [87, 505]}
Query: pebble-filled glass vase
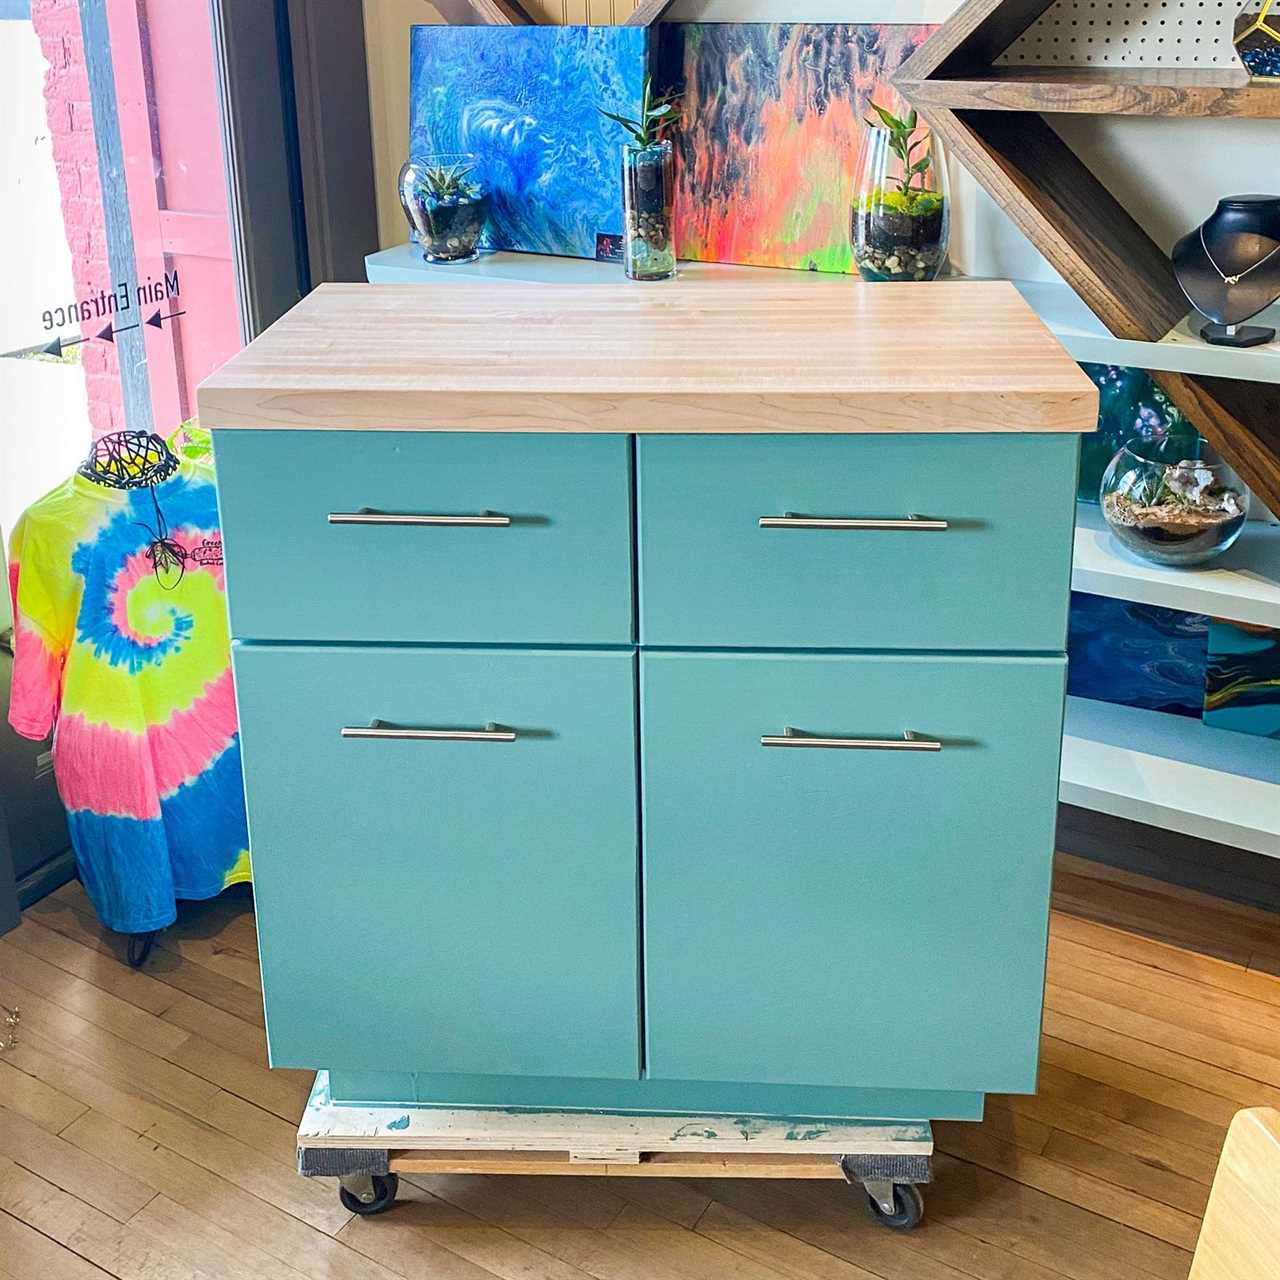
{"type": "Point", "coordinates": [647, 189]}
{"type": "Point", "coordinates": [901, 220]}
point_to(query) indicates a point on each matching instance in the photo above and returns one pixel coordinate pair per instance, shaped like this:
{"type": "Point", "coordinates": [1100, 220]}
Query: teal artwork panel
{"type": "Point", "coordinates": [1242, 681]}
{"type": "Point", "coordinates": [1131, 407]}
{"type": "Point", "coordinates": [856, 918]}
{"type": "Point", "coordinates": [444, 905]}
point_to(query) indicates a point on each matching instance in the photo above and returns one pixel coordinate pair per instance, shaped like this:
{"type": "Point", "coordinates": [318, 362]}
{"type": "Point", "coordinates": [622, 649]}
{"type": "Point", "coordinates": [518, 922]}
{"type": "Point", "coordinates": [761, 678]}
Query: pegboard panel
{"type": "Point", "coordinates": [1131, 33]}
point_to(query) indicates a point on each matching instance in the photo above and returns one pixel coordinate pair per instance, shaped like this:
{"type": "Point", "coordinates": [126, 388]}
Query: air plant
{"type": "Point", "coordinates": [657, 115]}
{"type": "Point", "coordinates": [904, 147]}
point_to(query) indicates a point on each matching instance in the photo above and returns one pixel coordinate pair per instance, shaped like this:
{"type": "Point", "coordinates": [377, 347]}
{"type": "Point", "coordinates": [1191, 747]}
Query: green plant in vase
{"type": "Point", "coordinates": [446, 204]}
{"type": "Point", "coordinates": [902, 213]}
{"type": "Point", "coordinates": [648, 187]}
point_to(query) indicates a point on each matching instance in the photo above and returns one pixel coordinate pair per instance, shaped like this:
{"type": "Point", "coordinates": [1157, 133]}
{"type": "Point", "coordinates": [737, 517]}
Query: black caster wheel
{"type": "Point", "coordinates": [140, 945]}
{"type": "Point", "coordinates": [385, 1186]}
{"type": "Point", "coordinates": [908, 1207]}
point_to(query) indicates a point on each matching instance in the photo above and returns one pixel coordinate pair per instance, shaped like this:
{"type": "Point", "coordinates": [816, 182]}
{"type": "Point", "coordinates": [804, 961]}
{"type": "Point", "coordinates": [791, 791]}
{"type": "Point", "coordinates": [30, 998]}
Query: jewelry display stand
{"type": "Point", "coordinates": [1229, 268]}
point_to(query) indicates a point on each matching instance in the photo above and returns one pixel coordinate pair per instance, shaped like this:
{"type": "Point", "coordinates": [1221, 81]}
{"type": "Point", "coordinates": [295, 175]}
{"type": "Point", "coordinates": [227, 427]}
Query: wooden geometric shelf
{"type": "Point", "coordinates": [991, 118]}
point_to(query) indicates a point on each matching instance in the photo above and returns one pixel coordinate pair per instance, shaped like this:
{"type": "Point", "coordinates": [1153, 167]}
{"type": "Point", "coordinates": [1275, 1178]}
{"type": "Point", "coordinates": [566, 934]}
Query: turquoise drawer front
{"type": "Point", "coordinates": [439, 905]}
{"type": "Point", "coordinates": [997, 578]}
{"type": "Point", "coordinates": [558, 573]}
{"type": "Point", "coordinates": [868, 918]}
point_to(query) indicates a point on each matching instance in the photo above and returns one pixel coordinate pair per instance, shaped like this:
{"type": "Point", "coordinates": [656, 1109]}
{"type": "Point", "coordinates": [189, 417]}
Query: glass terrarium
{"type": "Point", "coordinates": [1172, 510]}
{"type": "Point", "coordinates": [447, 205]}
{"type": "Point", "coordinates": [901, 221]}
{"type": "Point", "coordinates": [647, 189]}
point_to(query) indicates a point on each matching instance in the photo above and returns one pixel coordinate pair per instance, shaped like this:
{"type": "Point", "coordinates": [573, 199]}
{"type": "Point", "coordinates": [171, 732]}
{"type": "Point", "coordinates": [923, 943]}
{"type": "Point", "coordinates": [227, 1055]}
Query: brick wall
{"type": "Point", "coordinates": [66, 94]}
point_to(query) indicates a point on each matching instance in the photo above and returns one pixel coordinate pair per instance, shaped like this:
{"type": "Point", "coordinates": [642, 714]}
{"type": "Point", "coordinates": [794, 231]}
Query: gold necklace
{"type": "Point", "coordinates": [1226, 279]}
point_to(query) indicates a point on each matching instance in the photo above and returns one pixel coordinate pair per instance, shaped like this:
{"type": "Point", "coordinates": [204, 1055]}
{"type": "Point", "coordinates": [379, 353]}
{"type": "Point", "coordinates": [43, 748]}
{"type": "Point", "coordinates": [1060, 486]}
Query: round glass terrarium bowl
{"type": "Point", "coordinates": [901, 219]}
{"type": "Point", "coordinates": [446, 203]}
{"type": "Point", "coordinates": [1172, 511]}
{"type": "Point", "coordinates": [647, 195]}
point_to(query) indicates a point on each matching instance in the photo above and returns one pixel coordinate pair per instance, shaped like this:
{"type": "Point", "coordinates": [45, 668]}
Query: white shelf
{"type": "Point", "coordinates": [1180, 351]}
{"type": "Point", "coordinates": [1242, 585]}
{"type": "Point", "coordinates": [1173, 772]}
{"type": "Point", "coordinates": [405, 265]}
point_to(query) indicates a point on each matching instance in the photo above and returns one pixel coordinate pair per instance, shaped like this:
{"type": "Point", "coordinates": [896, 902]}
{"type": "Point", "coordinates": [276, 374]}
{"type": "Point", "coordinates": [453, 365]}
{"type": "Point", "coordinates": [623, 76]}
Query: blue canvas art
{"type": "Point", "coordinates": [523, 101]}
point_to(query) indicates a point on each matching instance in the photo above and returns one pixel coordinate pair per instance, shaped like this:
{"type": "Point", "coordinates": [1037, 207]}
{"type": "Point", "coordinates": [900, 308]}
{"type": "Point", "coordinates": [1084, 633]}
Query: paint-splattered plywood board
{"type": "Point", "coordinates": [326, 1124]}
{"type": "Point", "coordinates": [773, 134]}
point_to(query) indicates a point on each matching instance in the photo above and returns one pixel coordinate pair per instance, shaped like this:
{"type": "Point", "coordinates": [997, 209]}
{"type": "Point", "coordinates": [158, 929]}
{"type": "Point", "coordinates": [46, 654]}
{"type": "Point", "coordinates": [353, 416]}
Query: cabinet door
{"type": "Point", "coordinates": [831, 915]}
{"type": "Point", "coordinates": [443, 905]}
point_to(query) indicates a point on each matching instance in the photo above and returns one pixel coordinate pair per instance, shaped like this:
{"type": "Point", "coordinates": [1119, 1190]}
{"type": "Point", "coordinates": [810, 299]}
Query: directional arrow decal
{"type": "Point", "coordinates": [156, 320]}
{"type": "Point", "coordinates": [108, 333]}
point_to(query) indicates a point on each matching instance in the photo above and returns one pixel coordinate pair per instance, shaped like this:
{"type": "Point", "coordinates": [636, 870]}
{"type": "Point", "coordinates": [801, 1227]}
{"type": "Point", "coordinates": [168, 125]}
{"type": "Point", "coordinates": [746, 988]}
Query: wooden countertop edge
{"type": "Point", "coordinates": [888, 411]}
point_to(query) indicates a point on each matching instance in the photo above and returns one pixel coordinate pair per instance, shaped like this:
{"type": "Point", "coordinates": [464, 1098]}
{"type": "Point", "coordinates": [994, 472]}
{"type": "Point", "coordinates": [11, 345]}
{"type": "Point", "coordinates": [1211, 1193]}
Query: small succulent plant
{"type": "Point", "coordinates": [904, 147]}
{"type": "Point", "coordinates": [657, 115]}
{"type": "Point", "coordinates": [447, 184]}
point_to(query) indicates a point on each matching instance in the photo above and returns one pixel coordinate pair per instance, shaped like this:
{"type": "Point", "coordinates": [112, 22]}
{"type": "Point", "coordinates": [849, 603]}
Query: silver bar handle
{"type": "Point", "coordinates": [793, 521]}
{"type": "Point", "coordinates": [486, 519]}
{"type": "Point", "coordinates": [908, 742]}
{"type": "Point", "coordinates": [381, 729]}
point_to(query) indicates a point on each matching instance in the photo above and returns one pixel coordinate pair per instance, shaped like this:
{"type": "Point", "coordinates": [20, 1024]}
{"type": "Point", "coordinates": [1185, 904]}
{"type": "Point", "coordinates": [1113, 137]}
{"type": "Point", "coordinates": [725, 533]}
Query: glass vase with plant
{"type": "Point", "coordinates": [446, 203]}
{"type": "Point", "coordinates": [902, 211]}
{"type": "Point", "coordinates": [648, 187]}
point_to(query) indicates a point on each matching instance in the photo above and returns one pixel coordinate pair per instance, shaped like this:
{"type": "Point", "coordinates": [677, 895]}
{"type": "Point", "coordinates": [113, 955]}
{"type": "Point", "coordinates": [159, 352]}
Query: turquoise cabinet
{"type": "Point", "coordinates": [854, 915]}
{"type": "Point", "coordinates": [517, 840]}
{"type": "Point", "coordinates": [552, 566]}
{"type": "Point", "coordinates": [443, 904]}
{"type": "Point", "coordinates": [711, 575]}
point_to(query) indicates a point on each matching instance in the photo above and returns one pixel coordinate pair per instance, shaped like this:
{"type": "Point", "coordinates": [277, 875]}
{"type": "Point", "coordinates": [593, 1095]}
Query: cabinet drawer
{"type": "Point", "coordinates": [442, 905]}
{"type": "Point", "coordinates": [825, 915]}
{"type": "Point", "coordinates": [997, 577]}
{"type": "Point", "coordinates": [558, 573]}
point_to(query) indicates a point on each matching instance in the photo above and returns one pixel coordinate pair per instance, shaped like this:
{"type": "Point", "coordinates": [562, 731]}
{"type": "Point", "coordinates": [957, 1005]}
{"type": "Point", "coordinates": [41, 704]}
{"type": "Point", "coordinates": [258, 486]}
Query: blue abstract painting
{"type": "Point", "coordinates": [1242, 688]}
{"type": "Point", "coordinates": [523, 101]}
{"type": "Point", "coordinates": [1138, 655]}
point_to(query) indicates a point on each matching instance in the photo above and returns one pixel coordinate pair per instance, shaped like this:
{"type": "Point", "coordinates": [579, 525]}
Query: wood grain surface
{"type": "Point", "coordinates": [778, 353]}
{"type": "Point", "coordinates": [142, 1136]}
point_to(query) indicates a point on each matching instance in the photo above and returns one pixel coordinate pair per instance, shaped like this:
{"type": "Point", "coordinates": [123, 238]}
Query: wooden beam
{"type": "Point", "coordinates": [647, 12]}
{"type": "Point", "coordinates": [1084, 232]}
{"type": "Point", "coordinates": [1145, 91]}
{"type": "Point", "coordinates": [1241, 420]}
{"type": "Point", "coordinates": [973, 37]}
{"type": "Point", "coordinates": [501, 13]}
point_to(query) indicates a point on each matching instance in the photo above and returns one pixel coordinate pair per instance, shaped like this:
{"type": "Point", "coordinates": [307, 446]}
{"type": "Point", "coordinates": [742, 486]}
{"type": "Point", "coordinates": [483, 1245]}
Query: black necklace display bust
{"type": "Point", "coordinates": [1229, 268]}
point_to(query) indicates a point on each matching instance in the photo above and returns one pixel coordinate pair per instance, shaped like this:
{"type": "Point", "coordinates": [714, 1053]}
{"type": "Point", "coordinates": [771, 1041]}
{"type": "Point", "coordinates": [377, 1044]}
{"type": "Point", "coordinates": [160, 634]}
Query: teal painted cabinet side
{"type": "Point", "coordinates": [651, 1096]}
{"type": "Point", "coordinates": [996, 579]}
{"type": "Point", "coordinates": [559, 573]}
{"type": "Point", "coordinates": [860, 918]}
{"type": "Point", "coordinates": [445, 905]}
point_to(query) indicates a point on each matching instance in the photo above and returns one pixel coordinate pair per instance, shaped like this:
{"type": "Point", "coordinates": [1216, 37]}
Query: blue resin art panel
{"type": "Point", "coordinates": [524, 101]}
{"type": "Point", "coordinates": [1138, 655]}
{"type": "Point", "coordinates": [1242, 688]}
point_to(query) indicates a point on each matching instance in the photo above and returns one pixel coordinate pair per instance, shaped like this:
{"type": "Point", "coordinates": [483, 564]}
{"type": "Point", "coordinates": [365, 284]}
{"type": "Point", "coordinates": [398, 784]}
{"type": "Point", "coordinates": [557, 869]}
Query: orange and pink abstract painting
{"type": "Point", "coordinates": [774, 124]}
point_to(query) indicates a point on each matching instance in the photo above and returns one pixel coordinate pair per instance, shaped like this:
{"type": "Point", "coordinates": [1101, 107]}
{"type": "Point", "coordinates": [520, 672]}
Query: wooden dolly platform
{"type": "Point", "coordinates": [366, 1147]}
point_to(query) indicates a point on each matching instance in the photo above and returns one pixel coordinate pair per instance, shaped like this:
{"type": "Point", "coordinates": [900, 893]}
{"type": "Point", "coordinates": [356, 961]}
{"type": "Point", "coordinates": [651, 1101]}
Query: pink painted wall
{"type": "Point", "coordinates": [66, 92]}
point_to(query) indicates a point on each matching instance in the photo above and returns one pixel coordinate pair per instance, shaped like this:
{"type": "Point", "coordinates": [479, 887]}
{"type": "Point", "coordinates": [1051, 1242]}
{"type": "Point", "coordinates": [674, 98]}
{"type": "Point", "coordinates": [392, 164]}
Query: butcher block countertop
{"type": "Point", "coordinates": [778, 353]}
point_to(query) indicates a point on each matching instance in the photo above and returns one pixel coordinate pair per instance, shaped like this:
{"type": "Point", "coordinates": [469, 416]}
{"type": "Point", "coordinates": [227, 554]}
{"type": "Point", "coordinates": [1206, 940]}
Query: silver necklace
{"type": "Point", "coordinates": [1226, 279]}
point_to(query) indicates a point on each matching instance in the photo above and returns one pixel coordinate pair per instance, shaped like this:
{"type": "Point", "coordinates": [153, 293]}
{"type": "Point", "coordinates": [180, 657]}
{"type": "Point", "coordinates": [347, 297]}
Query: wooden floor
{"type": "Point", "coordinates": [142, 1137]}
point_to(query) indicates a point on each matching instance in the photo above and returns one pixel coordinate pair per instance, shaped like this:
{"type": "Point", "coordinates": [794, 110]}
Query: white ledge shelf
{"type": "Point", "coordinates": [1242, 585]}
{"type": "Point", "coordinates": [1179, 351]}
{"type": "Point", "coordinates": [1174, 772]}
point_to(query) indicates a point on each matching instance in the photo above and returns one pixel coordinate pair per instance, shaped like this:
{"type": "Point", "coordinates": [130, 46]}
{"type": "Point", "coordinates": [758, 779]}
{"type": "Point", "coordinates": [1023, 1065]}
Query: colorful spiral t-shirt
{"type": "Point", "coordinates": [121, 642]}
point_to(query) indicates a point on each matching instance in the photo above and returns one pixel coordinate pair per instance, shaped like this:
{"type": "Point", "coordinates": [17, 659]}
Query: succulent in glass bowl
{"type": "Point", "coordinates": [446, 204]}
{"type": "Point", "coordinates": [1172, 511]}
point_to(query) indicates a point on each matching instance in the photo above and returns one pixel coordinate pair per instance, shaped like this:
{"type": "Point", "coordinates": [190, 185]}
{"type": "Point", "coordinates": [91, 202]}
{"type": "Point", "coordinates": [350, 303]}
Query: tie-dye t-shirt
{"type": "Point", "coordinates": [125, 654]}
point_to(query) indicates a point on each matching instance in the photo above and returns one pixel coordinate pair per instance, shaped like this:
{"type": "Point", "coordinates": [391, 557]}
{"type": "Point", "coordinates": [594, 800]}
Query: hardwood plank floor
{"type": "Point", "coordinates": [143, 1138]}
